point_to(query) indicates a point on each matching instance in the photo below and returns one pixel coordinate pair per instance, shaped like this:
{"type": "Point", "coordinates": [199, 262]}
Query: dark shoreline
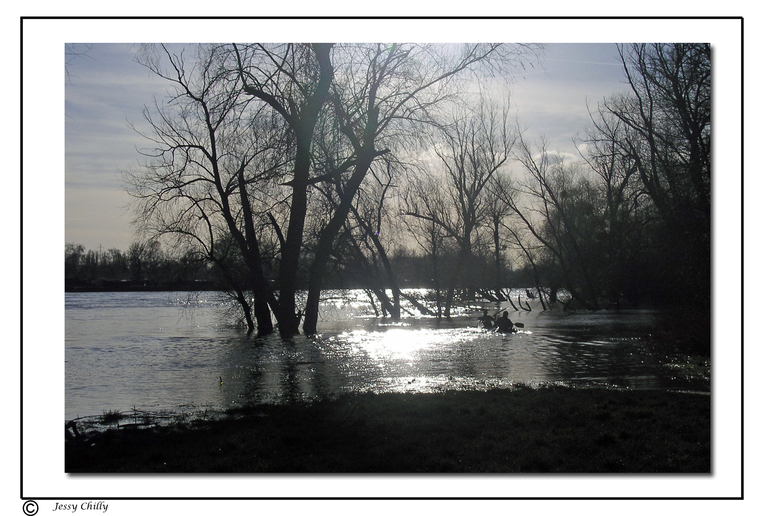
{"type": "Point", "coordinates": [551, 429]}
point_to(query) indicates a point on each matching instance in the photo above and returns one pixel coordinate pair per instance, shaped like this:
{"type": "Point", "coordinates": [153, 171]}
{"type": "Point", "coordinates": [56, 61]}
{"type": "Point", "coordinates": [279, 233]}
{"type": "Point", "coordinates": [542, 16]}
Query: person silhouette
{"type": "Point", "coordinates": [487, 320]}
{"type": "Point", "coordinates": [504, 324]}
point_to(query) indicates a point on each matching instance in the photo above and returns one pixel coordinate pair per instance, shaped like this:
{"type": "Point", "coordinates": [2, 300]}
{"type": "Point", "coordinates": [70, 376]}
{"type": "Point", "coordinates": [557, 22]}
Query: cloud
{"type": "Point", "coordinates": [106, 93]}
{"type": "Point", "coordinates": [108, 90]}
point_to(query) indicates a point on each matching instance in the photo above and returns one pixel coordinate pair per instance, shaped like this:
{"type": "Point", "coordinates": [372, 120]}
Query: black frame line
{"type": "Point", "coordinates": [375, 18]}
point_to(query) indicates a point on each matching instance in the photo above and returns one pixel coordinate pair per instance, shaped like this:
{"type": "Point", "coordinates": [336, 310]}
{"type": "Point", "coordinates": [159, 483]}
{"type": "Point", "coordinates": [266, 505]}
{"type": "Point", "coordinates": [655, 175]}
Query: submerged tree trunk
{"type": "Point", "coordinates": [263, 314]}
{"type": "Point", "coordinates": [422, 308]}
{"type": "Point", "coordinates": [303, 127]}
{"type": "Point", "coordinates": [245, 309]}
{"type": "Point", "coordinates": [450, 297]}
{"type": "Point", "coordinates": [301, 115]}
{"type": "Point", "coordinates": [235, 291]}
{"type": "Point", "coordinates": [395, 306]}
{"type": "Point", "coordinates": [327, 238]}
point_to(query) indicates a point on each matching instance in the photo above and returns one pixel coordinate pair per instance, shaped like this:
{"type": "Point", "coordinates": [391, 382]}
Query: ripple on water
{"type": "Point", "coordinates": [124, 351]}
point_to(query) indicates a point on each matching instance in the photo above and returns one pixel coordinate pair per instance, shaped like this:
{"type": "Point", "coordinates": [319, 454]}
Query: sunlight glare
{"type": "Point", "coordinates": [395, 344]}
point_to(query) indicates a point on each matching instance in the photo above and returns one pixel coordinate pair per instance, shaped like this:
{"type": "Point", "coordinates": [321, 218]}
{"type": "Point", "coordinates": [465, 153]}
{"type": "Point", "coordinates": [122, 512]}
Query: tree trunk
{"type": "Point", "coordinates": [245, 310]}
{"type": "Point", "coordinates": [287, 319]}
{"type": "Point", "coordinates": [328, 236]}
{"type": "Point", "coordinates": [497, 241]}
{"type": "Point", "coordinates": [263, 314]}
{"type": "Point", "coordinates": [395, 307]}
{"type": "Point", "coordinates": [452, 284]}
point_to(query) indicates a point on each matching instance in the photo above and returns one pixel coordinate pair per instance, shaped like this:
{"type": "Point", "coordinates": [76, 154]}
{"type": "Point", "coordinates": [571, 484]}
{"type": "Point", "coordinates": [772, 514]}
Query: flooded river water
{"type": "Point", "coordinates": [169, 351]}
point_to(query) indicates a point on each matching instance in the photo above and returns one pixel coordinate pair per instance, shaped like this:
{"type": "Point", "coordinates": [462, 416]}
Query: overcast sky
{"type": "Point", "coordinates": [106, 91]}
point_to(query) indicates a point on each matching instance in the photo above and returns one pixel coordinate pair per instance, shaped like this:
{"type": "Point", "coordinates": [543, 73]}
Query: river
{"type": "Point", "coordinates": [174, 351]}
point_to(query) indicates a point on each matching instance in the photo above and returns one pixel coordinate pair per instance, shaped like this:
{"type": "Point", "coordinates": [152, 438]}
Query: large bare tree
{"type": "Point", "coordinates": [294, 81]}
{"type": "Point", "coordinates": [380, 94]}
{"type": "Point", "coordinates": [260, 128]}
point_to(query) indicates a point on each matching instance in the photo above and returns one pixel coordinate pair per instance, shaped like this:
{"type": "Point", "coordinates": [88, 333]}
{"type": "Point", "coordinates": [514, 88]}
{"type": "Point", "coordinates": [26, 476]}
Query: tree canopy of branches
{"type": "Point", "coordinates": [473, 147]}
{"type": "Point", "coordinates": [633, 217]}
{"type": "Point", "coordinates": [666, 123]}
{"type": "Point", "coordinates": [282, 165]}
{"type": "Point", "coordinates": [252, 133]}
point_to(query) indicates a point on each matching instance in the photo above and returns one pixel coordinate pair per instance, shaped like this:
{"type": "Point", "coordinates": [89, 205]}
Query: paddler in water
{"type": "Point", "coordinates": [487, 320]}
{"type": "Point", "coordinates": [504, 324]}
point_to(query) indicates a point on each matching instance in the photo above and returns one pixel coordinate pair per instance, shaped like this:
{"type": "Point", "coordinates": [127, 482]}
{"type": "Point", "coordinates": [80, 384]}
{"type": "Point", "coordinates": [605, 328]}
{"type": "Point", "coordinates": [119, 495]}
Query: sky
{"type": "Point", "coordinates": [105, 93]}
{"type": "Point", "coordinates": [106, 90]}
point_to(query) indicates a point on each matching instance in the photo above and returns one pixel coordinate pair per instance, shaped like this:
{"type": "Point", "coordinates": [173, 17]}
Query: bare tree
{"type": "Point", "coordinates": [627, 208]}
{"type": "Point", "coordinates": [294, 81]}
{"type": "Point", "coordinates": [373, 211]}
{"type": "Point", "coordinates": [472, 148]}
{"type": "Point", "coordinates": [251, 132]}
{"type": "Point", "coordinates": [497, 212]}
{"type": "Point", "coordinates": [425, 216]}
{"type": "Point", "coordinates": [667, 116]}
{"type": "Point", "coordinates": [379, 95]}
{"type": "Point", "coordinates": [210, 151]}
{"type": "Point", "coordinates": [558, 211]}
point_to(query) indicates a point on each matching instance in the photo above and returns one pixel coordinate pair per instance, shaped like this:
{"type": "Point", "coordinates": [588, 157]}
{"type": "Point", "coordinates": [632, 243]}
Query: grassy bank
{"type": "Point", "coordinates": [526, 430]}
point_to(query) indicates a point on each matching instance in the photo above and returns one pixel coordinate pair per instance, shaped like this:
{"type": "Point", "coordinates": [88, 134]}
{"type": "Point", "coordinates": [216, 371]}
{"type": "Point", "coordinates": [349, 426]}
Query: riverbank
{"type": "Point", "coordinates": [551, 429]}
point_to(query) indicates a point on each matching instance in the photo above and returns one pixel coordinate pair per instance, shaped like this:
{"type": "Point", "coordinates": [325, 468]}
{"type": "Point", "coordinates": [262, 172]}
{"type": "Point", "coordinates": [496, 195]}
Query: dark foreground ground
{"type": "Point", "coordinates": [526, 430]}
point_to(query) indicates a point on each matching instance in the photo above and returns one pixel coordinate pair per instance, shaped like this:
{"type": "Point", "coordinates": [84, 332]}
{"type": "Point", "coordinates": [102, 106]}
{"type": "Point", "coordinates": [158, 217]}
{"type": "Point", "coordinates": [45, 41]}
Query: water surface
{"type": "Point", "coordinates": [171, 351]}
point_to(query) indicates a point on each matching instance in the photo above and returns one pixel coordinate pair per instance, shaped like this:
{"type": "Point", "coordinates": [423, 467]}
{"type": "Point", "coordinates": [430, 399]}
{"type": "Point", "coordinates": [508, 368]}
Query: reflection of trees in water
{"type": "Point", "coordinates": [273, 370]}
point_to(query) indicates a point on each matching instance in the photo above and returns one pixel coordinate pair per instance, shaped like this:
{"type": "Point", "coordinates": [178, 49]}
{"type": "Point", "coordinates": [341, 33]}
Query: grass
{"type": "Point", "coordinates": [526, 430]}
{"type": "Point", "coordinates": [111, 417]}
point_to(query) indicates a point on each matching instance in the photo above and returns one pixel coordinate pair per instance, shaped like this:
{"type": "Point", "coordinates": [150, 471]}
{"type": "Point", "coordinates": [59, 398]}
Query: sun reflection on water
{"type": "Point", "coordinates": [402, 344]}
{"type": "Point", "coordinates": [393, 344]}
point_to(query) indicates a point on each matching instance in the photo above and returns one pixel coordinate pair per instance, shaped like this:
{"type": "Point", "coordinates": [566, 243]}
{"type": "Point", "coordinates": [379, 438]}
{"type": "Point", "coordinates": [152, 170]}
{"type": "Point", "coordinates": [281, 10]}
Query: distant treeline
{"type": "Point", "coordinates": [147, 266]}
{"type": "Point", "coordinates": [144, 266]}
